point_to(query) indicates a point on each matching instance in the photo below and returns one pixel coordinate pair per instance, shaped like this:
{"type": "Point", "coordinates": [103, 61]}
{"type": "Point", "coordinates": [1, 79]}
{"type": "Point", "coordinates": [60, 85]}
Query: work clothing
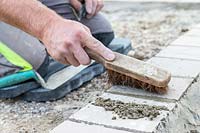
{"type": "Point", "coordinates": [31, 48]}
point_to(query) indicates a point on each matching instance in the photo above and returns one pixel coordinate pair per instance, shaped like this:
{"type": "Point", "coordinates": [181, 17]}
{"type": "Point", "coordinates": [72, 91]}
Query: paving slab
{"type": "Point", "coordinates": [177, 67]}
{"type": "Point", "coordinates": [197, 26]}
{"type": "Point", "coordinates": [176, 89]}
{"type": "Point", "coordinates": [195, 32]}
{"type": "Point", "coordinates": [74, 127]}
{"type": "Point", "coordinates": [181, 52]}
{"type": "Point", "coordinates": [97, 115]}
{"type": "Point", "coordinates": [187, 41]}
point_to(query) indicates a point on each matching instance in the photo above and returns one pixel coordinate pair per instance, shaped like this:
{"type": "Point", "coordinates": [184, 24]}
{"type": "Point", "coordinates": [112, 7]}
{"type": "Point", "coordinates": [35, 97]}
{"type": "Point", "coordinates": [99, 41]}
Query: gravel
{"type": "Point", "coordinates": [150, 27]}
{"type": "Point", "coordinates": [132, 110]}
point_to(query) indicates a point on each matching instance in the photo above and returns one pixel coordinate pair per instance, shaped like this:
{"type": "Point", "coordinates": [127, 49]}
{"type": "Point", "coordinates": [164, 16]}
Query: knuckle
{"type": "Point", "coordinates": [67, 44]}
{"type": "Point", "coordinates": [78, 33]}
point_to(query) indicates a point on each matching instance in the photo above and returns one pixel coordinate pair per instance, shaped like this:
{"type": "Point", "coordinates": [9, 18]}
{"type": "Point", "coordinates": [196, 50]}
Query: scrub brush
{"type": "Point", "coordinates": [128, 71]}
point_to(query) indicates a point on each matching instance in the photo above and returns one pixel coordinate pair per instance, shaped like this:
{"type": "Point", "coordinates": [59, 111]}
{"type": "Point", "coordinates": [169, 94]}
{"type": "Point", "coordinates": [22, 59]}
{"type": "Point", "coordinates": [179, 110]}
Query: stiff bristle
{"type": "Point", "coordinates": [119, 79]}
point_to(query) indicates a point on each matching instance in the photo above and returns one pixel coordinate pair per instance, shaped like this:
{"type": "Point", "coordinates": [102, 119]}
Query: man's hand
{"type": "Point", "coordinates": [92, 6]}
{"type": "Point", "coordinates": [65, 41]}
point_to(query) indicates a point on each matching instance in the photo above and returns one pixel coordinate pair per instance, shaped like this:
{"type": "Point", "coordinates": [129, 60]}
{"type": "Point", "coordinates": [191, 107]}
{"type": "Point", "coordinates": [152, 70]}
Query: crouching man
{"type": "Point", "coordinates": [53, 22]}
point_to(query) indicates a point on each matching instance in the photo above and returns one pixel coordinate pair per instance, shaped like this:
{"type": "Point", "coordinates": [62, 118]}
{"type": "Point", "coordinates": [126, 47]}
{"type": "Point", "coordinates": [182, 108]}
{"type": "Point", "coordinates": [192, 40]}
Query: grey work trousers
{"type": "Point", "coordinates": [33, 51]}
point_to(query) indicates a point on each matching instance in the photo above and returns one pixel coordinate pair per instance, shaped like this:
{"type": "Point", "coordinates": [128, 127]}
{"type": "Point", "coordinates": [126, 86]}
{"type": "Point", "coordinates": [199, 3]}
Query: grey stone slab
{"type": "Point", "coordinates": [195, 32]}
{"type": "Point", "coordinates": [187, 41]}
{"type": "Point", "coordinates": [181, 52]}
{"type": "Point", "coordinates": [197, 26]}
{"type": "Point", "coordinates": [176, 88]}
{"type": "Point", "coordinates": [74, 127]}
{"type": "Point", "coordinates": [97, 115]}
{"type": "Point", "coordinates": [177, 67]}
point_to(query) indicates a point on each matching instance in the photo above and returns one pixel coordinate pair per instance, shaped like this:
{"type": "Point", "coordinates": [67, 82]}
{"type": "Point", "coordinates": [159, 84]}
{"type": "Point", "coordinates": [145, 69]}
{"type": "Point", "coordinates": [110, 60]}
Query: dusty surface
{"type": "Point", "coordinates": [21, 116]}
{"type": "Point", "coordinates": [123, 110]}
{"type": "Point", "coordinates": [150, 27]}
{"type": "Point", "coordinates": [186, 116]}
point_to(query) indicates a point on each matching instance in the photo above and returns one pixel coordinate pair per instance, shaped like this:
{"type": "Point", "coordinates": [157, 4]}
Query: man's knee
{"type": "Point", "coordinates": [24, 45]}
{"type": "Point", "coordinates": [105, 38]}
{"type": "Point", "coordinates": [100, 28]}
{"type": "Point", "coordinates": [98, 24]}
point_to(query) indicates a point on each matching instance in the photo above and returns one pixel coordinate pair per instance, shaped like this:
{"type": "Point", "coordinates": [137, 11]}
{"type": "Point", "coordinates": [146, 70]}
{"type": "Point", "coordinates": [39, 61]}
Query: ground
{"type": "Point", "coordinates": [151, 27]}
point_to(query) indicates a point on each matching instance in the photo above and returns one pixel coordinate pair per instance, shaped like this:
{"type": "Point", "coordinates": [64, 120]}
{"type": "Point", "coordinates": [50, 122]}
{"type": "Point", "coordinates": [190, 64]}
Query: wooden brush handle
{"type": "Point", "coordinates": [95, 56]}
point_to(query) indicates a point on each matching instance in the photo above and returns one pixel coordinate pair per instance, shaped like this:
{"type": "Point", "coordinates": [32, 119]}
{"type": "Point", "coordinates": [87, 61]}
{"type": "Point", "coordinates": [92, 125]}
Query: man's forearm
{"type": "Point", "coordinates": [28, 15]}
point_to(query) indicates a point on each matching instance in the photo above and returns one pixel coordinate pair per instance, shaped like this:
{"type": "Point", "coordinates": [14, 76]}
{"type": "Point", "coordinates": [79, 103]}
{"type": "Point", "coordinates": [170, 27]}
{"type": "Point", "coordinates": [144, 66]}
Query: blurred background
{"type": "Point", "coordinates": [151, 24]}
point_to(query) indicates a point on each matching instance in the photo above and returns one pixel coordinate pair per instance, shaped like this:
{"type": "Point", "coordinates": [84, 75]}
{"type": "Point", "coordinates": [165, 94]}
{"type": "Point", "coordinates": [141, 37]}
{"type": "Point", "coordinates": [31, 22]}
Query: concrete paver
{"type": "Point", "coordinates": [74, 127]}
{"type": "Point", "coordinates": [195, 32]}
{"type": "Point", "coordinates": [176, 89]}
{"type": "Point", "coordinates": [180, 52]}
{"type": "Point", "coordinates": [97, 115]}
{"type": "Point", "coordinates": [187, 41]}
{"type": "Point", "coordinates": [177, 67]}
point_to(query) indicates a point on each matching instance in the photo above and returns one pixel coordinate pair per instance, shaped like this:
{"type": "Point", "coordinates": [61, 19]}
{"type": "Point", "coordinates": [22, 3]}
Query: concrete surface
{"type": "Point", "coordinates": [180, 52]}
{"type": "Point", "coordinates": [74, 127]}
{"type": "Point", "coordinates": [177, 67]}
{"type": "Point", "coordinates": [187, 41]}
{"type": "Point", "coordinates": [186, 116]}
{"type": "Point", "coordinates": [97, 115]}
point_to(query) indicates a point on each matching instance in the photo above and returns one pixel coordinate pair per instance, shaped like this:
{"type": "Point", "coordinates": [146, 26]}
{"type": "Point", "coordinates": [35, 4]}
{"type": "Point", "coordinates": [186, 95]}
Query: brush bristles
{"type": "Point", "coordinates": [119, 79]}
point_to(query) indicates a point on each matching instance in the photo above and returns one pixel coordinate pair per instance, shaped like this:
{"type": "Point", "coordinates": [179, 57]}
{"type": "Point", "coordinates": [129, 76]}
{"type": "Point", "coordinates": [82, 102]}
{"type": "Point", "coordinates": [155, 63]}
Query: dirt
{"type": "Point", "coordinates": [150, 27]}
{"type": "Point", "coordinates": [129, 110]}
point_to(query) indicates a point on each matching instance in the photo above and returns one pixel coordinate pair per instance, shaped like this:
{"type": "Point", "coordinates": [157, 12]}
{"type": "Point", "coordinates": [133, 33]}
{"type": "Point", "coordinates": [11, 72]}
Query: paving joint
{"type": "Point", "coordinates": [85, 128]}
{"type": "Point", "coordinates": [146, 97]}
{"type": "Point", "coordinates": [106, 126]}
{"type": "Point", "coordinates": [197, 60]}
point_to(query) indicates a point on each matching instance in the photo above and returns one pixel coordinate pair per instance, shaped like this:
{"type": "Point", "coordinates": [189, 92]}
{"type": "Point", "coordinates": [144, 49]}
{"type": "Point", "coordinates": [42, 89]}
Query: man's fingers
{"type": "Point", "coordinates": [61, 60]}
{"type": "Point", "coordinates": [94, 7]}
{"type": "Point", "coordinates": [71, 59]}
{"type": "Point", "coordinates": [66, 53]}
{"type": "Point", "coordinates": [97, 47]}
{"type": "Point", "coordinates": [95, 4]}
{"type": "Point", "coordinates": [76, 4]}
{"type": "Point", "coordinates": [89, 6]}
{"type": "Point", "coordinates": [99, 6]}
{"type": "Point", "coordinates": [81, 55]}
